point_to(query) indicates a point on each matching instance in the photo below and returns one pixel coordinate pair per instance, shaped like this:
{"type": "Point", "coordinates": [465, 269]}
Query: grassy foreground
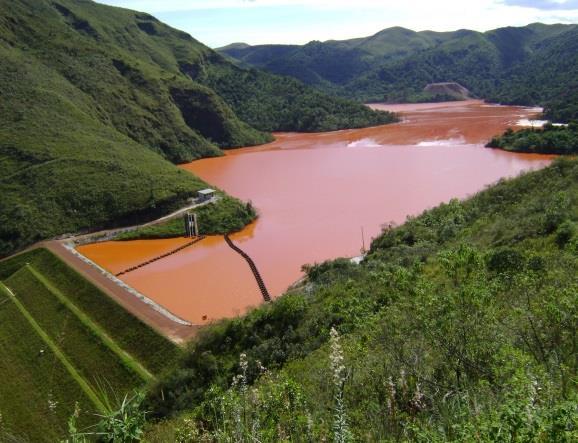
{"type": "Point", "coordinates": [33, 381]}
{"type": "Point", "coordinates": [460, 325]}
{"type": "Point", "coordinates": [63, 343]}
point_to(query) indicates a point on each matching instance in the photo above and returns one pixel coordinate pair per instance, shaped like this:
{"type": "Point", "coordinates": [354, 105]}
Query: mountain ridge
{"type": "Point", "coordinates": [396, 63]}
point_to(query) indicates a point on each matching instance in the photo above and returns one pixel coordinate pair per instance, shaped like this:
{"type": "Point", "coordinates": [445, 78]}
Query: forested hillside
{"type": "Point", "coordinates": [531, 65]}
{"type": "Point", "coordinates": [97, 102]}
{"type": "Point", "coordinates": [549, 78]}
{"type": "Point", "coordinates": [333, 63]}
{"type": "Point", "coordinates": [459, 325]}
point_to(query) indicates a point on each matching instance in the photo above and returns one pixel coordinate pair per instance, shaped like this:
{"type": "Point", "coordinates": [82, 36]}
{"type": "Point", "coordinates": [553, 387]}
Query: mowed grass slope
{"type": "Point", "coordinates": [31, 380]}
{"type": "Point", "coordinates": [89, 355]}
{"type": "Point", "coordinates": [152, 350]}
{"type": "Point", "coordinates": [63, 341]}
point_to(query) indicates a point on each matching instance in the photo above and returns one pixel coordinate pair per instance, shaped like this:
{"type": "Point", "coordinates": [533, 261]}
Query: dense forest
{"type": "Point", "coordinates": [532, 65]}
{"type": "Point", "coordinates": [284, 104]}
{"type": "Point", "coordinates": [97, 103]}
{"type": "Point", "coordinates": [547, 140]}
{"type": "Point", "coordinates": [459, 325]}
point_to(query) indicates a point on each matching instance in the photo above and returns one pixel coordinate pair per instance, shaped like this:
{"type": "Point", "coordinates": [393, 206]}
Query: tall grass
{"type": "Point", "coordinates": [122, 421]}
{"type": "Point", "coordinates": [341, 432]}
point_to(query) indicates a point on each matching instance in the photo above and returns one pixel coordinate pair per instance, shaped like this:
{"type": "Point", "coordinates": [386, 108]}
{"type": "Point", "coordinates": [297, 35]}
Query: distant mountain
{"type": "Point", "coordinates": [335, 62]}
{"type": "Point", "coordinates": [239, 45]}
{"type": "Point", "coordinates": [396, 63]}
{"type": "Point", "coordinates": [96, 102]}
{"type": "Point", "coordinates": [549, 77]}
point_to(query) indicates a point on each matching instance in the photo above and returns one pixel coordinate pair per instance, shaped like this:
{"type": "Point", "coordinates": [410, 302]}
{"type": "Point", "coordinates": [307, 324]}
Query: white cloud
{"type": "Point", "coordinates": [550, 5]}
{"type": "Point", "coordinates": [188, 5]}
{"type": "Point", "coordinates": [366, 17]}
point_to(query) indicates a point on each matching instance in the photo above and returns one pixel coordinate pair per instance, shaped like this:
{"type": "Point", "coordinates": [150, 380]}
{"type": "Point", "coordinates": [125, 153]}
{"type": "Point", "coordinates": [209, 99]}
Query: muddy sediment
{"type": "Point", "coordinates": [315, 193]}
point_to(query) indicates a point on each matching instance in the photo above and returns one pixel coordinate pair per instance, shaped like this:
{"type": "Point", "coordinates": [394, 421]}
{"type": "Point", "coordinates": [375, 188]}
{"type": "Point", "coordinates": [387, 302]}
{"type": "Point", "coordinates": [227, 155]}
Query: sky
{"type": "Point", "coordinates": [220, 22]}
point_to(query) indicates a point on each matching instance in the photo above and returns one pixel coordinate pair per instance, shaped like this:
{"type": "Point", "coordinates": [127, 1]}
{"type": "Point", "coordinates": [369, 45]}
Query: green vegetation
{"type": "Point", "coordinates": [225, 216]}
{"type": "Point", "coordinates": [128, 331]}
{"type": "Point", "coordinates": [123, 423]}
{"type": "Point", "coordinates": [96, 102]}
{"type": "Point", "coordinates": [531, 65]}
{"type": "Point", "coordinates": [547, 77]}
{"type": "Point", "coordinates": [272, 103]}
{"type": "Point", "coordinates": [94, 361]}
{"type": "Point", "coordinates": [56, 349]}
{"type": "Point", "coordinates": [63, 341]}
{"type": "Point", "coordinates": [95, 329]}
{"type": "Point", "coordinates": [460, 325]}
{"type": "Point", "coordinates": [332, 64]}
{"type": "Point", "coordinates": [35, 383]}
{"type": "Point", "coordinates": [548, 140]}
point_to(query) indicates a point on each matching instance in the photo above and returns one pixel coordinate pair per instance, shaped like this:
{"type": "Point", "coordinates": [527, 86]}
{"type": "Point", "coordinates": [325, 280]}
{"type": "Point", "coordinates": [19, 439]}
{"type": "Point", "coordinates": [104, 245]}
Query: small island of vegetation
{"type": "Point", "coordinates": [547, 140]}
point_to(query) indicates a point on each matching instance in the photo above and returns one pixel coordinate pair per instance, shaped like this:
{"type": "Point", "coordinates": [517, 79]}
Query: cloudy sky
{"type": "Point", "coordinates": [219, 22]}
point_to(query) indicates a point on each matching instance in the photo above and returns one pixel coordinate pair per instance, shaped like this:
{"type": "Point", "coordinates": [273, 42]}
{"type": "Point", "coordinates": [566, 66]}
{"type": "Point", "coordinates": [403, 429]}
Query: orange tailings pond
{"type": "Point", "coordinates": [314, 193]}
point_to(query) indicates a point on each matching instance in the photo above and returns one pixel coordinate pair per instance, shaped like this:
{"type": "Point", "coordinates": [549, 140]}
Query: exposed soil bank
{"type": "Point", "coordinates": [314, 192]}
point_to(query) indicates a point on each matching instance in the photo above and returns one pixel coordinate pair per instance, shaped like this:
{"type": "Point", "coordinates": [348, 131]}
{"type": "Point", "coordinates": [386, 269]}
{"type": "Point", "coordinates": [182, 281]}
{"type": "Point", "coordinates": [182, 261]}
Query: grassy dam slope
{"type": "Point", "coordinates": [63, 342]}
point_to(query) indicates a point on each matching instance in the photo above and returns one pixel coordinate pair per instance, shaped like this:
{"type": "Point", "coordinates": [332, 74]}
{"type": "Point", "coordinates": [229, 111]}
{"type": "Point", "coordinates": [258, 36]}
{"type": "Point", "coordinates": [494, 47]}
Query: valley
{"type": "Point", "coordinates": [315, 193]}
{"type": "Point", "coordinates": [342, 240]}
{"type": "Point", "coordinates": [524, 65]}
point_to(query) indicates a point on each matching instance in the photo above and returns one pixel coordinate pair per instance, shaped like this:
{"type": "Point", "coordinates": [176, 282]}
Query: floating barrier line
{"type": "Point", "coordinates": [148, 262]}
{"type": "Point", "coordinates": [253, 267]}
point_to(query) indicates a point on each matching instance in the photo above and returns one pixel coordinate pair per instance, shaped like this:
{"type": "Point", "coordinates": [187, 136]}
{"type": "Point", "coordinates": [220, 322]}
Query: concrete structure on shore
{"type": "Point", "coordinates": [206, 194]}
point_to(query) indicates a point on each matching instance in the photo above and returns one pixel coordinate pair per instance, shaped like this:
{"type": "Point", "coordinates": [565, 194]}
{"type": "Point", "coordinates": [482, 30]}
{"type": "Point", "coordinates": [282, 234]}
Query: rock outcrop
{"type": "Point", "coordinates": [452, 89]}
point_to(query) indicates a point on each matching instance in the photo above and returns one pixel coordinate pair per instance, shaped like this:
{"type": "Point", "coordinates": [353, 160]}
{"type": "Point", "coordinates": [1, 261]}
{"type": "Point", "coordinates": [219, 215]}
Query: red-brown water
{"type": "Point", "coordinates": [314, 193]}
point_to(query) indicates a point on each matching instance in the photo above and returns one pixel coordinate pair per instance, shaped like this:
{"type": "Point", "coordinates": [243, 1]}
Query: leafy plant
{"type": "Point", "coordinates": [123, 423]}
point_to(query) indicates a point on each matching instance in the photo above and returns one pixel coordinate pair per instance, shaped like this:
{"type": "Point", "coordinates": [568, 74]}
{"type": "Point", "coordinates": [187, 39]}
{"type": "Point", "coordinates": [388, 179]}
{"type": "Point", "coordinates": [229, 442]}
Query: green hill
{"type": "Point", "coordinates": [529, 65]}
{"type": "Point", "coordinates": [335, 63]}
{"type": "Point", "coordinates": [459, 325]}
{"type": "Point", "coordinates": [97, 103]}
{"type": "Point", "coordinates": [548, 77]}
